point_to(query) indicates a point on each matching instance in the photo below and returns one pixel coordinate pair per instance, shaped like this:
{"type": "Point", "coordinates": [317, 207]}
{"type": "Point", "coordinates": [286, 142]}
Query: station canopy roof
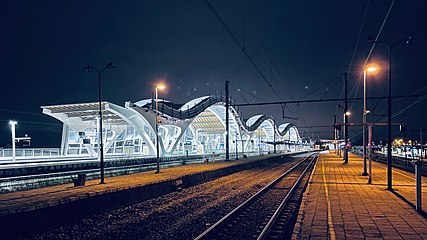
{"type": "Point", "coordinates": [86, 111]}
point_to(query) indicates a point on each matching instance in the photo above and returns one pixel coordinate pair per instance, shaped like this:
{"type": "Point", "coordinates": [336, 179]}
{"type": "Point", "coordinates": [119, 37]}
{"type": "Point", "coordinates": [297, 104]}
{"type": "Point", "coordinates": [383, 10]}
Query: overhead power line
{"type": "Point", "coordinates": [318, 100]}
{"type": "Point", "coordinates": [373, 46]}
{"type": "Point", "coordinates": [251, 61]}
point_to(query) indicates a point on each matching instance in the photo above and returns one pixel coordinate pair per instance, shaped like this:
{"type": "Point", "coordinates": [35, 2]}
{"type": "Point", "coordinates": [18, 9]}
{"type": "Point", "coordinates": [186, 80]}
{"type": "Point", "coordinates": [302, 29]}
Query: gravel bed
{"type": "Point", "coordinates": [178, 215]}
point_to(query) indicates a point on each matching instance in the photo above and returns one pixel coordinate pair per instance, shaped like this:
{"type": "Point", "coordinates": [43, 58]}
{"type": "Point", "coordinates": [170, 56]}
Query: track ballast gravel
{"type": "Point", "coordinates": [178, 215]}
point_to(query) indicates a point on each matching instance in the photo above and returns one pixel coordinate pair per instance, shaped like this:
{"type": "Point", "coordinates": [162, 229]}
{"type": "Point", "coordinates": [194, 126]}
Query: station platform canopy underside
{"type": "Point", "coordinates": [196, 127]}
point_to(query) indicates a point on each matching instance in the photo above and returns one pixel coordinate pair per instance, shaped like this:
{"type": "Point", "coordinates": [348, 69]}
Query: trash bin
{"type": "Point", "coordinates": [80, 180]}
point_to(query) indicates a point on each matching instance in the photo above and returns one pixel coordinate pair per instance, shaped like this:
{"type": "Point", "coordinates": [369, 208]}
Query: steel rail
{"type": "Point", "coordinates": [279, 209]}
{"type": "Point", "coordinates": [214, 227]}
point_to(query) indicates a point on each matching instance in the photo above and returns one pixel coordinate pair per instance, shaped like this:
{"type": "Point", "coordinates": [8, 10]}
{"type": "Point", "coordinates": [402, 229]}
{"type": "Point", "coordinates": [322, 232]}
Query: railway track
{"type": "Point", "coordinates": [266, 214]}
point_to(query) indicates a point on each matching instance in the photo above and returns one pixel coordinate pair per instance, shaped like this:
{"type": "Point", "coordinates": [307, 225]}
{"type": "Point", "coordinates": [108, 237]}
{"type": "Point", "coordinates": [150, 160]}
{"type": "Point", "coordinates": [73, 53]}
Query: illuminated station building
{"type": "Point", "coordinates": [197, 127]}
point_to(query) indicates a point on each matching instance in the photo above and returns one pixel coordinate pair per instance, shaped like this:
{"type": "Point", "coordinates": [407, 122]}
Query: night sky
{"type": "Point", "coordinates": [45, 44]}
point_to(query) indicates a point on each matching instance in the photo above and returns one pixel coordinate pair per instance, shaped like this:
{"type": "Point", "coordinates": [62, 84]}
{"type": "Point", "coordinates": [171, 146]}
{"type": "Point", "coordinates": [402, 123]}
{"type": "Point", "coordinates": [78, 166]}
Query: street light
{"type": "Point", "coordinates": [158, 87]}
{"type": "Point", "coordinates": [365, 113]}
{"type": "Point", "coordinates": [407, 41]}
{"type": "Point", "coordinates": [12, 128]}
{"type": "Point", "coordinates": [88, 68]}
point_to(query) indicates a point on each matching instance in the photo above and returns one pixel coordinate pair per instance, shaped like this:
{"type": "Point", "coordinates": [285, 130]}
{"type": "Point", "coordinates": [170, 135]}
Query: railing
{"type": "Point", "coordinates": [28, 152]}
{"type": "Point", "coordinates": [399, 162]}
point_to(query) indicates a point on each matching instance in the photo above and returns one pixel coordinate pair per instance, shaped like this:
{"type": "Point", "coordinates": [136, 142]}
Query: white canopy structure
{"type": "Point", "coordinates": [197, 127]}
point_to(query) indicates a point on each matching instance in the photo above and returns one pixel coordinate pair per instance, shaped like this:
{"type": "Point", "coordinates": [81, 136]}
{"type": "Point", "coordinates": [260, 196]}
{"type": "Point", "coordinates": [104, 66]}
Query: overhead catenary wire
{"type": "Point", "coordinates": [397, 113]}
{"type": "Point", "coordinates": [247, 92]}
{"type": "Point", "coordinates": [395, 100]}
{"type": "Point", "coordinates": [373, 45]}
{"type": "Point", "coordinates": [248, 57]}
{"type": "Point", "coordinates": [242, 48]}
{"type": "Point", "coordinates": [273, 70]}
{"type": "Point", "coordinates": [333, 81]}
{"type": "Point", "coordinates": [358, 37]}
{"type": "Point", "coordinates": [356, 86]}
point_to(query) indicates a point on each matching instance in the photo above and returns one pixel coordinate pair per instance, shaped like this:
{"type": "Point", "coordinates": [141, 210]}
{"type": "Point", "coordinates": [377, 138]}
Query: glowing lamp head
{"type": "Point", "coordinates": [11, 122]}
{"type": "Point", "coordinates": [161, 87]}
{"type": "Point", "coordinates": [348, 113]}
{"type": "Point", "coordinates": [372, 69]}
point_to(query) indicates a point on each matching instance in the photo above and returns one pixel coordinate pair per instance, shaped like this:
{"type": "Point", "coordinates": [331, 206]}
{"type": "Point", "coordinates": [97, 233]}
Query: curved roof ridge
{"type": "Point", "coordinates": [284, 128]}
{"type": "Point", "coordinates": [200, 104]}
{"type": "Point", "coordinates": [193, 102]}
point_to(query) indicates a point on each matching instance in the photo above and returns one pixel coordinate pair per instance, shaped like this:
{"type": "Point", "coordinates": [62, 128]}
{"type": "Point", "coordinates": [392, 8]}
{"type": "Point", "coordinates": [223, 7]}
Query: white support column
{"type": "Point", "coordinates": [64, 139]}
{"type": "Point", "coordinates": [12, 128]}
{"type": "Point", "coordinates": [99, 134]}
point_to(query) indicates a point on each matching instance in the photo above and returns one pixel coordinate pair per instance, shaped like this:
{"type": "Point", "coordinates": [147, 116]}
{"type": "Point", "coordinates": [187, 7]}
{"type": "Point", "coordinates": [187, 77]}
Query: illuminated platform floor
{"type": "Point", "coordinates": [339, 204]}
{"type": "Point", "coordinates": [24, 201]}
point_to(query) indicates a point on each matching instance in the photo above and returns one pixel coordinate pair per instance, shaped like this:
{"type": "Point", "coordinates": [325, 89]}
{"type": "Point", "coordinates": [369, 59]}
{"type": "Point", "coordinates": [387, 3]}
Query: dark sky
{"type": "Point", "coordinates": [45, 44]}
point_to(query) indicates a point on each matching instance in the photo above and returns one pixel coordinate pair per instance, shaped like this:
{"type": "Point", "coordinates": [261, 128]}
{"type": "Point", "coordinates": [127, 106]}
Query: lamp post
{"type": "Point", "coordinates": [12, 128]}
{"type": "Point", "coordinates": [407, 41]}
{"type": "Point", "coordinates": [346, 115]}
{"type": "Point", "coordinates": [365, 113]}
{"type": "Point", "coordinates": [158, 87]}
{"type": "Point", "coordinates": [88, 68]}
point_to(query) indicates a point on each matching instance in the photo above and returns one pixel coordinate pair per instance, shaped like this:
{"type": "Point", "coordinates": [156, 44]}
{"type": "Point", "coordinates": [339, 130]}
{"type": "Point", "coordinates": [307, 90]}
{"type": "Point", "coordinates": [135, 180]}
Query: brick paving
{"type": "Point", "coordinates": [51, 196]}
{"type": "Point", "coordinates": [339, 204]}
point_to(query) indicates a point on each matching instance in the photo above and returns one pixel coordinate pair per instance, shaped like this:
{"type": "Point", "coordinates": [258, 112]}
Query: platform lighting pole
{"type": "Point", "coordinates": [407, 41]}
{"type": "Point", "coordinates": [161, 87]}
{"type": "Point", "coordinates": [365, 113]}
{"type": "Point", "coordinates": [346, 113]}
{"type": "Point", "coordinates": [88, 68]}
{"type": "Point", "coordinates": [12, 128]}
{"type": "Point", "coordinates": [227, 121]}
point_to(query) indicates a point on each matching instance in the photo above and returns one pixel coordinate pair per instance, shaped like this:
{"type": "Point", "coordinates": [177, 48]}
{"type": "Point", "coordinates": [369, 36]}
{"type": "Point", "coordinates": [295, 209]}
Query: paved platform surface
{"type": "Point", "coordinates": [339, 204]}
{"type": "Point", "coordinates": [22, 201]}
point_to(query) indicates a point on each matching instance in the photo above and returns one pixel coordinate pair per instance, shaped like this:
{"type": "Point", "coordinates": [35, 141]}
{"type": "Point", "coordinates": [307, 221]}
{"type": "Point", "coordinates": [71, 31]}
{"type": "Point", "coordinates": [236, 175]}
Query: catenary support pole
{"type": "Point", "coordinates": [370, 153]}
{"type": "Point", "coordinates": [335, 134]}
{"type": "Point", "coordinates": [418, 176]}
{"type": "Point", "coordinates": [227, 121]}
{"type": "Point", "coordinates": [389, 147]}
{"type": "Point", "coordinates": [345, 119]}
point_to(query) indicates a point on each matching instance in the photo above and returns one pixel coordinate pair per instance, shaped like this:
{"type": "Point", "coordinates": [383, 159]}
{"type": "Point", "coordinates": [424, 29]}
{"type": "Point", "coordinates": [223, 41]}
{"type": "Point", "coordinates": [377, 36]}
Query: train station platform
{"type": "Point", "coordinates": [340, 204]}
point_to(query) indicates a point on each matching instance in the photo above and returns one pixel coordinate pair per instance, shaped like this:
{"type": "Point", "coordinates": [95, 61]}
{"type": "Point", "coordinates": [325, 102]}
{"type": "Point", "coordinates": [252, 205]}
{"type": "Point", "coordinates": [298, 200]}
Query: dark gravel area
{"type": "Point", "coordinates": [178, 215]}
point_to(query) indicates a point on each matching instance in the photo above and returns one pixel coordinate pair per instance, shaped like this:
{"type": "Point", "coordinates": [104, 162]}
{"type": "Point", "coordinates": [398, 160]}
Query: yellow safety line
{"type": "Point", "coordinates": [330, 223]}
